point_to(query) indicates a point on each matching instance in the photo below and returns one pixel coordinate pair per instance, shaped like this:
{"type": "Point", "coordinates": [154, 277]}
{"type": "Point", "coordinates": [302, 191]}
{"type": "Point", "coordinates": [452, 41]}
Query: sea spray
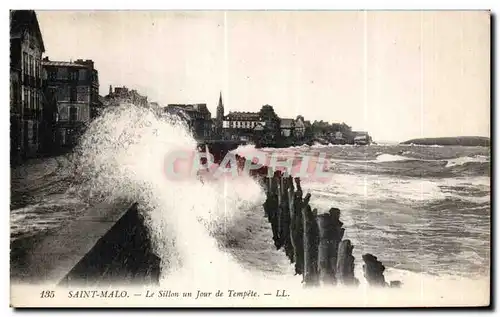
{"type": "Point", "coordinates": [121, 156]}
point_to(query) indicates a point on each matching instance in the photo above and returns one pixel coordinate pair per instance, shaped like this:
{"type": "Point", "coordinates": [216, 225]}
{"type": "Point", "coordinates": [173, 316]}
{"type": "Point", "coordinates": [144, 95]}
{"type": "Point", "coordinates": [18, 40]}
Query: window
{"type": "Point", "coordinates": [15, 93]}
{"type": "Point", "coordinates": [25, 97]}
{"type": "Point", "coordinates": [28, 96]}
{"type": "Point", "coordinates": [73, 114]}
{"type": "Point", "coordinates": [73, 75]}
{"type": "Point", "coordinates": [33, 66]}
{"type": "Point", "coordinates": [62, 73]}
{"type": "Point", "coordinates": [82, 74]}
{"type": "Point", "coordinates": [35, 134]}
{"type": "Point", "coordinates": [32, 99]}
{"type": "Point", "coordinates": [30, 65]}
{"type": "Point", "coordinates": [52, 75]}
{"type": "Point", "coordinates": [37, 100]}
{"type": "Point", "coordinates": [83, 94]}
{"type": "Point", "coordinates": [63, 93]}
{"type": "Point", "coordinates": [72, 96]}
{"type": "Point", "coordinates": [25, 63]}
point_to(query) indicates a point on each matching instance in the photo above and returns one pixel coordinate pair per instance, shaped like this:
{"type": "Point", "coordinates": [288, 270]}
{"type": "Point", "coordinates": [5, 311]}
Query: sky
{"type": "Point", "coordinates": [396, 74]}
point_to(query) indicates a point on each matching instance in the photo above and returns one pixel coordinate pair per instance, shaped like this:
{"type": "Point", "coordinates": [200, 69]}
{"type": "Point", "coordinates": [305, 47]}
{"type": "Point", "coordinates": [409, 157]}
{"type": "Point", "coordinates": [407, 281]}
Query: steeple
{"type": "Point", "coordinates": [220, 115]}
{"type": "Point", "coordinates": [220, 101]}
{"type": "Point", "coordinates": [220, 108]}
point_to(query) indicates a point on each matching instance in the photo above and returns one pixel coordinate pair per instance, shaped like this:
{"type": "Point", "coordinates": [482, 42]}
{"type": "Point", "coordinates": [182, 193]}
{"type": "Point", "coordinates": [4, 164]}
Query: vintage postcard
{"type": "Point", "coordinates": [250, 158]}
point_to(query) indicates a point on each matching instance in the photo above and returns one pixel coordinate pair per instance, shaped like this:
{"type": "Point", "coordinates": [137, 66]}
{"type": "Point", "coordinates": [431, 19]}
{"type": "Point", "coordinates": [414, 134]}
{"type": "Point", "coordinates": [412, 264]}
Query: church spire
{"type": "Point", "coordinates": [220, 115]}
{"type": "Point", "coordinates": [220, 100]}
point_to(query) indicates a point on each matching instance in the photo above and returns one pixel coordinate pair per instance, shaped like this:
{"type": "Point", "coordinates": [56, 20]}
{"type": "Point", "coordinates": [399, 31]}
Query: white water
{"type": "Point", "coordinates": [391, 158]}
{"type": "Point", "coordinates": [467, 159]}
{"type": "Point", "coordinates": [123, 156]}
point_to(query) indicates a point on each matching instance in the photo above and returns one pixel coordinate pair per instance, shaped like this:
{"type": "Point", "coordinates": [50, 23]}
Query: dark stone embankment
{"type": "Point", "coordinates": [123, 255]}
{"type": "Point", "coordinates": [107, 243]}
{"type": "Point", "coordinates": [457, 141]}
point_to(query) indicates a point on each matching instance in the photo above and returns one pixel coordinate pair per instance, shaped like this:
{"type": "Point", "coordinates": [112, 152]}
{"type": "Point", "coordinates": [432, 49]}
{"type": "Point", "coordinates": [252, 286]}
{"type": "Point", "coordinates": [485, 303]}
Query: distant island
{"type": "Point", "coordinates": [460, 140]}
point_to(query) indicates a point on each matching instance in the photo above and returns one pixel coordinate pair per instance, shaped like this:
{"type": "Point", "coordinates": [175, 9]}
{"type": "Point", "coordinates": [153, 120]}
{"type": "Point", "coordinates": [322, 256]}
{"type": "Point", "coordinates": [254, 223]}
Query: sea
{"type": "Point", "coordinates": [424, 211]}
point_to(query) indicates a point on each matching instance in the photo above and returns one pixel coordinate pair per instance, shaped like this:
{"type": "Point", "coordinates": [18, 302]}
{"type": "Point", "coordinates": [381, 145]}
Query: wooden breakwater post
{"type": "Point", "coordinates": [373, 270]}
{"type": "Point", "coordinates": [311, 243]}
{"type": "Point", "coordinates": [314, 242]}
{"type": "Point", "coordinates": [330, 235]}
{"type": "Point", "coordinates": [285, 218]}
{"type": "Point", "coordinates": [271, 208]}
{"type": "Point", "coordinates": [297, 226]}
{"type": "Point", "coordinates": [345, 264]}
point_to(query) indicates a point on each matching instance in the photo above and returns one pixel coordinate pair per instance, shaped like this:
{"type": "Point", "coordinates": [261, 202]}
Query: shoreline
{"type": "Point", "coordinates": [451, 141]}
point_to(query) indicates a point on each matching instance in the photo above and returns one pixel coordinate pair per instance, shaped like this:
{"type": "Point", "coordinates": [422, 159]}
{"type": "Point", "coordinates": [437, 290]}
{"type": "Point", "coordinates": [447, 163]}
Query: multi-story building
{"type": "Point", "coordinates": [197, 117]}
{"type": "Point", "coordinates": [26, 49]}
{"type": "Point", "coordinates": [242, 125]}
{"type": "Point", "coordinates": [293, 128]}
{"type": "Point", "coordinates": [72, 96]}
{"type": "Point", "coordinates": [287, 127]}
{"type": "Point", "coordinates": [300, 127]}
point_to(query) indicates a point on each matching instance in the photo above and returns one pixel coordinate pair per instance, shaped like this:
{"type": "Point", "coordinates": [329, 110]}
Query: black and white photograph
{"type": "Point", "coordinates": [250, 158]}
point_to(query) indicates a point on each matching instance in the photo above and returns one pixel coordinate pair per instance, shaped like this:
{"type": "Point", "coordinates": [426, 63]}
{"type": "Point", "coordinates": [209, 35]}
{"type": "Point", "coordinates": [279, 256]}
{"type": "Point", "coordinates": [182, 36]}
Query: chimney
{"type": "Point", "coordinates": [110, 89]}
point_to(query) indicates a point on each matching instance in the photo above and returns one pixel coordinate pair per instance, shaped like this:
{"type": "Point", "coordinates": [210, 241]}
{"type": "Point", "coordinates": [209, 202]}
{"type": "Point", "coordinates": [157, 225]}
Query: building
{"type": "Point", "coordinates": [197, 117]}
{"type": "Point", "coordinates": [219, 118]}
{"type": "Point", "coordinates": [26, 49]}
{"type": "Point", "coordinates": [300, 127]}
{"type": "Point", "coordinates": [242, 125]}
{"type": "Point", "coordinates": [287, 127]}
{"type": "Point", "coordinates": [361, 138]}
{"type": "Point", "coordinates": [72, 97]}
{"type": "Point", "coordinates": [124, 95]}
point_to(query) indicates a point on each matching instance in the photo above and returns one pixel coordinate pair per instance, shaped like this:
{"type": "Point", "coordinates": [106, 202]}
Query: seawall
{"type": "Point", "coordinates": [109, 243]}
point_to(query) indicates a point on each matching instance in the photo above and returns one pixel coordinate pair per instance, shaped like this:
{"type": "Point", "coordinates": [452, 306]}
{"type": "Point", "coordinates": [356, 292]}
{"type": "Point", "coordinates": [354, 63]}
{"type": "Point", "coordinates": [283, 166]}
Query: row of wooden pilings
{"type": "Point", "coordinates": [312, 241]}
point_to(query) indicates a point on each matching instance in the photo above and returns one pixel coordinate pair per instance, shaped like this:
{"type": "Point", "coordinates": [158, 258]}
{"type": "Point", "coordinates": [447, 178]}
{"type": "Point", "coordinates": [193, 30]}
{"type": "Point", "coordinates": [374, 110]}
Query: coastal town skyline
{"type": "Point", "coordinates": [360, 68]}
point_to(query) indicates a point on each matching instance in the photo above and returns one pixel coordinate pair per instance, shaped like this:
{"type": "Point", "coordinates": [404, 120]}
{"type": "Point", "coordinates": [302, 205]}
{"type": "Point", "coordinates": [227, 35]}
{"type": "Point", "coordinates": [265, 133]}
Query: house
{"type": "Point", "coordinates": [26, 93]}
{"type": "Point", "coordinates": [361, 138]}
{"type": "Point", "coordinates": [287, 127]}
{"type": "Point", "coordinates": [242, 125]}
{"type": "Point", "coordinates": [300, 127]}
{"type": "Point", "coordinates": [72, 98]}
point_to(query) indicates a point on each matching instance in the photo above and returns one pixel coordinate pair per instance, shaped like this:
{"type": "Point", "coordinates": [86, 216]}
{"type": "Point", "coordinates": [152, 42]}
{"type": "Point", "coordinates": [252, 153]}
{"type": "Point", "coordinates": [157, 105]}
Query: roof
{"type": "Point", "coordinates": [62, 64]}
{"type": "Point", "coordinates": [202, 107]}
{"type": "Point", "coordinates": [20, 20]}
{"type": "Point", "coordinates": [360, 132]}
{"type": "Point", "coordinates": [243, 115]}
{"type": "Point", "coordinates": [287, 123]}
